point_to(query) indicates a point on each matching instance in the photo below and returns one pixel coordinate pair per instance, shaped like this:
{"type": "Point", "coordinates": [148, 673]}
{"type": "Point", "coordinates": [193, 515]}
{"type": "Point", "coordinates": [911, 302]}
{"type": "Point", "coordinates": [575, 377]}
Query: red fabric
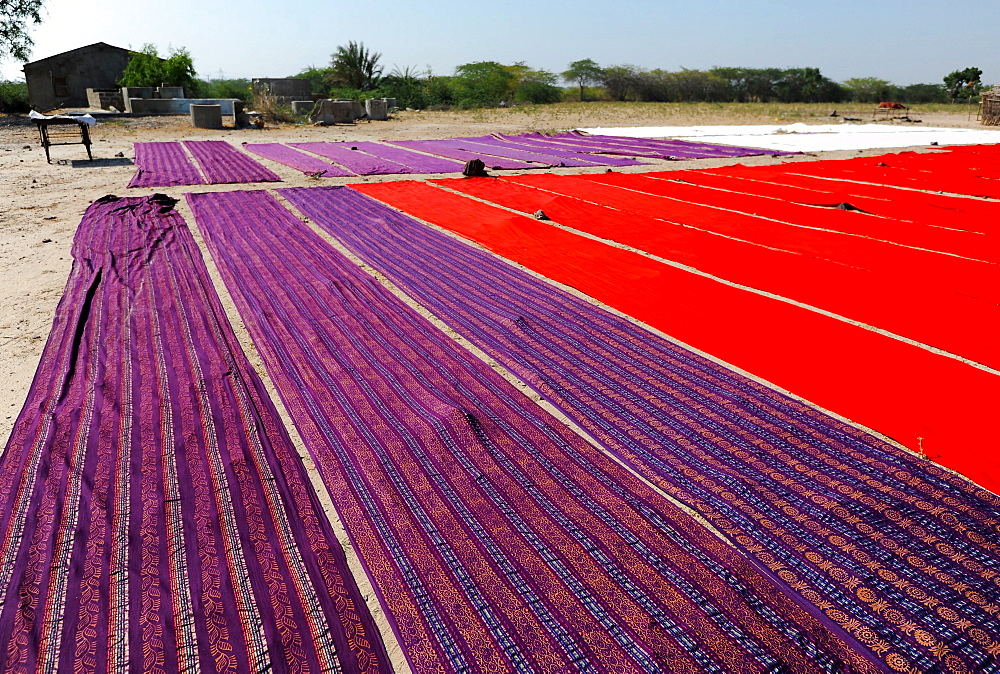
{"type": "Point", "coordinates": [958, 324]}
{"type": "Point", "coordinates": [952, 241]}
{"type": "Point", "coordinates": [908, 265]}
{"type": "Point", "coordinates": [917, 397]}
{"type": "Point", "coordinates": [937, 210]}
{"type": "Point", "coordinates": [937, 172]}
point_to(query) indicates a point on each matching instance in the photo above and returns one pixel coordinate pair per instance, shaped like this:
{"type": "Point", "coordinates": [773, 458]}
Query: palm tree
{"type": "Point", "coordinates": [355, 67]}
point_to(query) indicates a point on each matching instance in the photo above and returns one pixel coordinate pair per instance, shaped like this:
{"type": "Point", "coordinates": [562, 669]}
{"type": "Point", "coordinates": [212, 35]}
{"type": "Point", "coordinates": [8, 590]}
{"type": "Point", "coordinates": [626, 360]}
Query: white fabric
{"type": "Point", "coordinates": [811, 138]}
{"type": "Point", "coordinates": [86, 119]}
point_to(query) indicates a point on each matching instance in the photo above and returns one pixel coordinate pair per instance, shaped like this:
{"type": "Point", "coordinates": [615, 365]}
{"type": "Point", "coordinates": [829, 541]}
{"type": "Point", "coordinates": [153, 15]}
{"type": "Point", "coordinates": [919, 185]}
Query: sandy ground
{"type": "Point", "coordinates": [41, 203]}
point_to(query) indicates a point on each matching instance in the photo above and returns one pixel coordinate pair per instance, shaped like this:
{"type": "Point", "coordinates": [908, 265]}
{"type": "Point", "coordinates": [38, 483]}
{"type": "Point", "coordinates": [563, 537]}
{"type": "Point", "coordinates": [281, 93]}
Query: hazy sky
{"type": "Point", "coordinates": [903, 41]}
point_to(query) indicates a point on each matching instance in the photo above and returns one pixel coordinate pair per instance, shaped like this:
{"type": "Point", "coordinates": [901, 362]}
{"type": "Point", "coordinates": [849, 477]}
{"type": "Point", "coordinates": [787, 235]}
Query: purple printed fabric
{"type": "Point", "coordinates": [355, 160]}
{"type": "Point", "coordinates": [498, 540]}
{"type": "Point", "coordinates": [554, 143]}
{"type": "Point", "coordinates": [658, 149]}
{"type": "Point", "coordinates": [222, 163]}
{"type": "Point", "coordinates": [497, 148]}
{"type": "Point", "coordinates": [163, 165]}
{"type": "Point", "coordinates": [297, 160]}
{"type": "Point", "coordinates": [154, 514]}
{"type": "Point", "coordinates": [443, 149]}
{"type": "Point", "coordinates": [558, 151]}
{"type": "Point", "coordinates": [684, 147]}
{"type": "Point", "coordinates": [419, 163]}
{"type": "Point", "coordinates": [867, 536]}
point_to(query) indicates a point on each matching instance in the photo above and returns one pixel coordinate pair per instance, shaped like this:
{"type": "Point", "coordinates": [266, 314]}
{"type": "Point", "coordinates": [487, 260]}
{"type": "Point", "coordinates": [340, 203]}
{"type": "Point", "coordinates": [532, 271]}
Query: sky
{"type": "Point", "coordinates": [902, 41]}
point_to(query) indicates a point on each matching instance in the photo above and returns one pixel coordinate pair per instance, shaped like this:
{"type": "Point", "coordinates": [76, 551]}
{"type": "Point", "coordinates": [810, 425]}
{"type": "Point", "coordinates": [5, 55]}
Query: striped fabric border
{"type": "Point", "coordinates": [358, 162]}
{"type": "Point", "coordinates": [163, 165]}
{"type": "Point", "coordinates": [443, 149]}
{"type": "Point", "coordinates": [897, 551]}
{"type": "Point", "coordinates": [222, 163]}
{"type": "Point", "coordinates": [301, 161]}
{"type": "Point", "coordinates": [154, 515]}
{"type": "Point", "coordinates": [419, 163]}
{"type": "Point", "coordinates": [498, 539]}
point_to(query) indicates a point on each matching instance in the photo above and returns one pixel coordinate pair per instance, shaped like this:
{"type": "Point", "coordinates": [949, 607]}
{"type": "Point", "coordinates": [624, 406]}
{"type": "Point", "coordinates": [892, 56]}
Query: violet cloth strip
{"type": "Point", "coordinates": [154, 515]}
{"type": "Point", "coordinates": [497, 148]}
{"type": "Point", "coordinates": [564, 144]}
{"type": "Point", "coordinates": [306, 163]}
{"type": "Point", "coordinates": [418, 162]}
{"type": "Point", "coordinates": [556, 153]}
{"type": "Point", "coordinates": [498, 540]}
{"type": "Point", "coordinates": [668, 147]}
{"type": "Point", "coordinates": [360, 163]}
{"type": "Point", "coordinates": [685, 147]}
{"type": "Point", "coordinates": [662, 149]}
{"type": "Point", "coordinates": [222, 163]}
{"type": "Point", "coordinates": [584, 143]}
{"type": "Point", "coordinates": [441, 149]}
{"type": "Point", "coordinates": [865, 534]}
{"type": "Point", "coordinates": [596, 147]}
{"type": "Point", "coordinates": [581, 153]}
{"type": "Point", "coordinates": [163, 165]}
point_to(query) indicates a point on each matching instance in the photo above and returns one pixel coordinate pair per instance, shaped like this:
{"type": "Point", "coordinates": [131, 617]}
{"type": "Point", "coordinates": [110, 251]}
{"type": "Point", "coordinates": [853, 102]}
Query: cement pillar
{"type": "Point", "coordinates": [206, 116]}
{"type": "Point", "coordinates": [129, 93]}
{"type": "Point", "coordinates": [343, 112]}
{"type": "Point", "coordinates": [377, 109]}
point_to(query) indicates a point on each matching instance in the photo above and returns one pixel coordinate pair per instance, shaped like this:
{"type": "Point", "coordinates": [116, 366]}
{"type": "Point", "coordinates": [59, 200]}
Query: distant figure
{"type": "Point", "coordinates": [833, 114]}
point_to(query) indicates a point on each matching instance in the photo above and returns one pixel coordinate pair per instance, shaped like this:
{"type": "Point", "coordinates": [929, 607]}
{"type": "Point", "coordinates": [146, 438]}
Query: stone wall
{"type": "Point", "coordinates": [284, 89]}
{"type": "Point", "coordinates": [61, 81]}
{"type": "Point", "coordinates": [106, 99]}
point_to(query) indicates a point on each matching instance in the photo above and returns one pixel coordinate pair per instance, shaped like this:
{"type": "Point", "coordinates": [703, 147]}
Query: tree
{"type": "Point", "coordinates": [319, 78]}
{"type": "Point", "coordinates": [963, 81]}
{"type": "Point", "coordinates": [619, 81]}
{"type": "Point", "coordinates": [146, 69]}
{"type": "Point", "coordinates": [807, 85]}
{"type": "Point", "coordinates": [750, 85]}
{"type": "Point", "coordinates": [585, 73]}
{"type": "Point", "coordinates": [406, 86]}
{"type": "Point", "coordinates": [923, 93]}
{"type": "Point", "coordinates": [537, 86]}
{"type": "Point", "coordinates": [355, 67]}
{"type": "Point", "coordinates": [869, 89]}
{"type": "Point", "coordinates": [484, 84]}
{"type": "Point", "coordinates": [15, 15]}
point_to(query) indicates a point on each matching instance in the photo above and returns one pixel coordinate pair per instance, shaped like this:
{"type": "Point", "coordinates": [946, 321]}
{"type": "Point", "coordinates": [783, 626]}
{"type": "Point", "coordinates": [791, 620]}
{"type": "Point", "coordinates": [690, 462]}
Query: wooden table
{"type": "Point", "coordinates": [61, 132]}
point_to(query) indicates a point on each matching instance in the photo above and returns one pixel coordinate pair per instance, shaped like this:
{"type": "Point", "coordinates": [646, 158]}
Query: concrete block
{"type": "Point", "coordinates": [302, 108]}
{"type": "Point", "coordinates": [376, 109]}
{"type": "Point", "coordinates": [177, 106]}
{"type": "Point", "coordinates": [359, 109]}
{"type": "Point", "coordinates": [105, 99]}
{"type": "Point", "coordinates": [206, 116]}
{"type": "Point", "coordinates": [171, 92]}
{"type": "Point", "coordinates": [333, 112]}
{"type": "Point", "coordinates": [390, 103]}
{"type": "Point", "coordinates": [130, 93]}
{"type": "Point", "coordinates": [343, 112]}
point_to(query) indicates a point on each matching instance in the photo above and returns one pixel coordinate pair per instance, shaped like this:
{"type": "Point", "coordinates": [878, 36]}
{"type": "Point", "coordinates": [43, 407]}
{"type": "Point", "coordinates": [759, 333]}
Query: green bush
{"type": "Point", "coordinates": [483, 84]}
{"type": "Point", "coordinates": [406, 86]}
{"type": "Point", "coordinates": [235, 88]}
{"type": "Point", "coordinates": [440, 92]}
{"type": "Point", "coordinates": [146, 69]}
{"type": "Point", "coordinates": [14, 97]}
{"type": "Point", "coordinates": [538, 86]}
